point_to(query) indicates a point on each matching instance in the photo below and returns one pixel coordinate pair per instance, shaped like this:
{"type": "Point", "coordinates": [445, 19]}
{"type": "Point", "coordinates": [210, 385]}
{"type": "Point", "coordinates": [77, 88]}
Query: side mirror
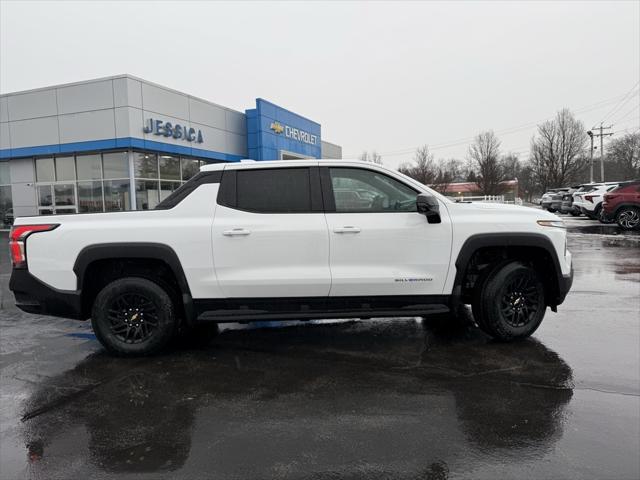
{"type": "Point", "coordinates": [428, 205]}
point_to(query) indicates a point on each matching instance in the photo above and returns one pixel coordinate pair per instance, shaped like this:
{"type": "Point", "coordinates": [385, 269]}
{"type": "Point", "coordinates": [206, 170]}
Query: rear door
{"type": "Point", "coordinates": [270, 237]}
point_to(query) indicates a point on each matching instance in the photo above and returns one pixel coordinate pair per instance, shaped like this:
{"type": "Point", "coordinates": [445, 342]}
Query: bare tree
{"type": "Point", "coordinates": [527, 185]}
{"type": "Point", "coordinates": [624, 153]}
{"type": "Point", "coordinates": [557, 152]}
{"type": "Point", "coordinates": [485, 153]}
{"type": "Point", "coordinates": [423, 168]}
{"type": "Point", "coordinates": [511, 166]}
{"type": "Point", "coordinates": [373, 157]}
{"type": "Point", "coordinates": [448, 172]}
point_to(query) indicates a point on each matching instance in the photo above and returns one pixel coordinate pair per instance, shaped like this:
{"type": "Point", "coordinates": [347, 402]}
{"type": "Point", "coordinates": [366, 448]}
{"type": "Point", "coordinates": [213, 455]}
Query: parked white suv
{"type": "Point", "coordinates": [588, 200]}
{"type": "Point", "coordinates": [253, 241]}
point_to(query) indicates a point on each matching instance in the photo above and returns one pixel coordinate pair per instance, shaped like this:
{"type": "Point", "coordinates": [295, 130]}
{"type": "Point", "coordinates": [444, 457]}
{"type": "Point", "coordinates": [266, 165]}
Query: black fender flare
{"type": "Point", "coordinates": [510, 239]}
{"type": "Point", "coordinates": [147, 250]}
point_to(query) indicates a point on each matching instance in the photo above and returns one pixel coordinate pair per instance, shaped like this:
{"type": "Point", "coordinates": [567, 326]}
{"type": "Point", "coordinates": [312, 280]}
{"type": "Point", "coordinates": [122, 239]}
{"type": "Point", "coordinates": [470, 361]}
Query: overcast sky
{"type": "Point", "coordinates": [376, 75]}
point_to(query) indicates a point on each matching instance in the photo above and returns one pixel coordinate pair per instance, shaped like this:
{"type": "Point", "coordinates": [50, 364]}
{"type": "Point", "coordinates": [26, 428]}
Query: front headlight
{"type": "Point", "coordinates": [551, 223]}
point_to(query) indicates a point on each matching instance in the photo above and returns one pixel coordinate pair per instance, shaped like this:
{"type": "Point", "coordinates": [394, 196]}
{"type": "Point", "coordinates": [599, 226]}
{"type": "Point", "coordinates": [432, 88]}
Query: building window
{"type": "Point", "coordinates": [169, 167]}
{"type": "Point", "coordinates": [116, 195]}
{"type": "Point", "coordinates": [100, 182]}
{"type": "Point", "coordinates": [70, 184]}
{"type": "Point", "coordinates": [190, 167]}
{"type": "Point", "coordinates": [89, 167]}
{"type": "Point", "coordinates": [45, 171]}
{"type": "Point", "coordinates": [6, 201]}
{"type": "Point", "coordinates": [157, 175]}
{"type": "Point", "coordinates": [146, 165]}
{"type": "Point", "coordinates": [90, 197]}
{"type": "Point", "coordinates": [147, 194]}
{"type": "Point", "coordinates": [65, 169]}
{"type": "Point", "coordinates": [166, 188]}
{"type": "Point", "coordinates": [45, 195]}
{"type": "Point", "coordinates": [115, 165]}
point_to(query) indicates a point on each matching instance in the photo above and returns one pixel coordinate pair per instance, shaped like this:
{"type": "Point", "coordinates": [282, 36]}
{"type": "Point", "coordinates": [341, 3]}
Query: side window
{"type": "Point", "coordinates": [360, 190]}
{"type": "Point", "coordinates": [275, 190]}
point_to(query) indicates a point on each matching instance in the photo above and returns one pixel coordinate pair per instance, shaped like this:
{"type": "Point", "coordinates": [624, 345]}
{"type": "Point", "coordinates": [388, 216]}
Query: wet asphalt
{"type": "Point", "coordinates": [395, 398]}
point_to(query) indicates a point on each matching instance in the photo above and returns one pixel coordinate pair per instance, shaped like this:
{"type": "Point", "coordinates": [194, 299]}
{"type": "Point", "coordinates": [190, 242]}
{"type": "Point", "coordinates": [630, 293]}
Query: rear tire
{"type": "Point", "coordinates": [510, 304]}
{"type": "Point", "coordinates": [133, 317]}
{"type": "Point", "coordinates": [628, 218]}
{"type": "Point", "coordinates": [595, 215]}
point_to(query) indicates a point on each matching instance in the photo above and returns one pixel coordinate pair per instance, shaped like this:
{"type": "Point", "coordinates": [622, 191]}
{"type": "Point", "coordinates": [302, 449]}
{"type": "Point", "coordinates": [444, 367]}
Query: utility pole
{"type": "Point", "coordinates": [590, 133]}
{"type": "Point", "coordinates": [601, 135]}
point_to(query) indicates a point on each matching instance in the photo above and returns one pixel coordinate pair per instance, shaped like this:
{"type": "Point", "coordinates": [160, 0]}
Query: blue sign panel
{"type": "Point", "coordinates": [273, 131]}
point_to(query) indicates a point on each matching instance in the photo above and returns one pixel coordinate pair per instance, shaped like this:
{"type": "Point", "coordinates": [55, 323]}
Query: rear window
{"type": "Point", "coordinates": [276, 190]}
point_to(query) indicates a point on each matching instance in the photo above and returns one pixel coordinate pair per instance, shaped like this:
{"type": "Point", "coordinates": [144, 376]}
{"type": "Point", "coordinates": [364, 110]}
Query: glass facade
{"type": "Point", "coordinates": [157, 175]}
{"type": "Point", "coordinates": [101, 182]}
{"type": "Point", "coordinates": [6, 202]}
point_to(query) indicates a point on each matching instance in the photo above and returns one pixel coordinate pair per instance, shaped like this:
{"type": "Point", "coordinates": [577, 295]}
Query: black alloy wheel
{"type": "Point", "coordinates": [133, 318]}
{"type": "Point", "coordinates": [509, 303]}
{"type": "Point", "coordinates": [520, 300]}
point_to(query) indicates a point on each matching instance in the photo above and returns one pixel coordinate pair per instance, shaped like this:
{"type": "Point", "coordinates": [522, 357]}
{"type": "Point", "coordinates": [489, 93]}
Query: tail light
{"type": "Point", "coordinates": [589, 198]}
{"type": "Point", "coordinates": [18, 239]}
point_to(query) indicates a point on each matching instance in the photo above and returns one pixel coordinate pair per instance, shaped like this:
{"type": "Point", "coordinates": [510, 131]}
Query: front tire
{"type": "Point", "coordinates": [511, 302]}
{"type": "Point", "coordinates": [133, 317]}
{"type": "Point", "coordinates": [628, 218]}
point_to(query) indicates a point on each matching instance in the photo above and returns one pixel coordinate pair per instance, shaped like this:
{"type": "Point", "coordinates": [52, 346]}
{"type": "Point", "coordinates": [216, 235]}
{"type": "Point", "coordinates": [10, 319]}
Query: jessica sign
{"type": "Point", "coordinates": [167, 129]}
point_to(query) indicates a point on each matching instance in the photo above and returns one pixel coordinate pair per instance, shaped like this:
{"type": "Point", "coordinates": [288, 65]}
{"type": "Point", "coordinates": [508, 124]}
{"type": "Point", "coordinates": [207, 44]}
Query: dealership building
{"type": "Point", "coordinates": [123, 143]}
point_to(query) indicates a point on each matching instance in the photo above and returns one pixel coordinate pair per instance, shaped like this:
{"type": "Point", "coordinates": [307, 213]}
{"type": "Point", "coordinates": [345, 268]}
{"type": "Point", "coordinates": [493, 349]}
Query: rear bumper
{"type": "Point", "coordinates": [34, 296]}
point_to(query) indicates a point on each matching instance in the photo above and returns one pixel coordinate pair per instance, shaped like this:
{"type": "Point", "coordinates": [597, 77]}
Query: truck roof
{"type": "Point", "coordinates": [212, 167]}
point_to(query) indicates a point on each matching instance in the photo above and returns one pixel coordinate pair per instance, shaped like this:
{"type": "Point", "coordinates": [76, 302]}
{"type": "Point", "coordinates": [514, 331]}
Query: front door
{"type": "Point", "coordinates": [379, 243]}
{"type": "Point", "coordinates": [269, 234]}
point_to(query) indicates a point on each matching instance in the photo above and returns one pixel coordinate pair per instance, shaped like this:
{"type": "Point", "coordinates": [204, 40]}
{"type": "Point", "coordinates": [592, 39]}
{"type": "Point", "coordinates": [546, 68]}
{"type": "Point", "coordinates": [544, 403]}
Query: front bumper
{"type": "Point", "coordinates": [564, 285]}
{"type": "Point", "coordinates": [34, 296]}
{"type": "Point", "coordinates": [607, 217]}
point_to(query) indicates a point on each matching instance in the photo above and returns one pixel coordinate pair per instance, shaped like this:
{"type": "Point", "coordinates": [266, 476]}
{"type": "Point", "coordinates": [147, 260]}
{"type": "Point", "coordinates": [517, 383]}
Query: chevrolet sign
{"type": "Point", "coordinates": [294, 133]}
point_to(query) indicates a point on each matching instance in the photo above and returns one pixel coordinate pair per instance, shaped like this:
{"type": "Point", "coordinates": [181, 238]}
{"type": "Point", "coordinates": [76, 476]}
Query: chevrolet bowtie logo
{"type": "Point", "coordinates": [276, 127]}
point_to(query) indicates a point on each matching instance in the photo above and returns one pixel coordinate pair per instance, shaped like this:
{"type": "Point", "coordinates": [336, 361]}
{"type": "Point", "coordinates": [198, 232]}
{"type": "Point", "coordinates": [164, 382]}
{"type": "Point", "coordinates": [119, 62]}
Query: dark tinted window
{"type": "Point", "coordinates": [276, 190]}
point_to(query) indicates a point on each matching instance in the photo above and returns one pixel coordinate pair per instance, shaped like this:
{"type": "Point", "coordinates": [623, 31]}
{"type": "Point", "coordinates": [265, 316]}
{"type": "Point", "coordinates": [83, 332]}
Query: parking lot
{"type": "Point", "coordinates": [392, 398]}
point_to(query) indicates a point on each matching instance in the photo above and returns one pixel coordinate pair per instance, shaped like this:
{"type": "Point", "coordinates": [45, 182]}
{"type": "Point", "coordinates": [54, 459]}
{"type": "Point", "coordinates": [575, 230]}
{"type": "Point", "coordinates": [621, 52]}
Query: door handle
{"type": "Point", "coordinates": [347, 229]}
{"type": "Point", "coordinates": [236, 232]}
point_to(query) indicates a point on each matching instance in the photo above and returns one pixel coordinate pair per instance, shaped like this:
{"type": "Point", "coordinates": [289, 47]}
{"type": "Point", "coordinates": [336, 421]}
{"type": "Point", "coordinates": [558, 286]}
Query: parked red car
{"type": "Point", "coordinates": [622, 205]}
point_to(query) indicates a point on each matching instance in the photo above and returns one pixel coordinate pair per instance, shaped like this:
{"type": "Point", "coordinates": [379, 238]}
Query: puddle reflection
{"type": "Point", "coordinates": [329, 395]}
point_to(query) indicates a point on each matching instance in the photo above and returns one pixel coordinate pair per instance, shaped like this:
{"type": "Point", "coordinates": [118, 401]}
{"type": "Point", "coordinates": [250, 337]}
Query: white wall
{"type": "Point", "coordinates": [114, 107]}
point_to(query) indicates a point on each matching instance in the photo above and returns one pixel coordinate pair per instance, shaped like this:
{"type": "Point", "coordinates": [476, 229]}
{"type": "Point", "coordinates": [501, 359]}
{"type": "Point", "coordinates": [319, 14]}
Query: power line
{"type": "Point", "coordinates": [505, 131]}
{"type": "Point", "coordinates": [622, 102]}
{"type": "Point", "coordinates": [626, 114]}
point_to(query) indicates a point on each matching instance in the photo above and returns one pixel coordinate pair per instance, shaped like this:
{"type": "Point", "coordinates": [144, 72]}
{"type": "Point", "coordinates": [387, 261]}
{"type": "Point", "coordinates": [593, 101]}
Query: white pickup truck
{"type": "Point", "coordinates": [250, 241]}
